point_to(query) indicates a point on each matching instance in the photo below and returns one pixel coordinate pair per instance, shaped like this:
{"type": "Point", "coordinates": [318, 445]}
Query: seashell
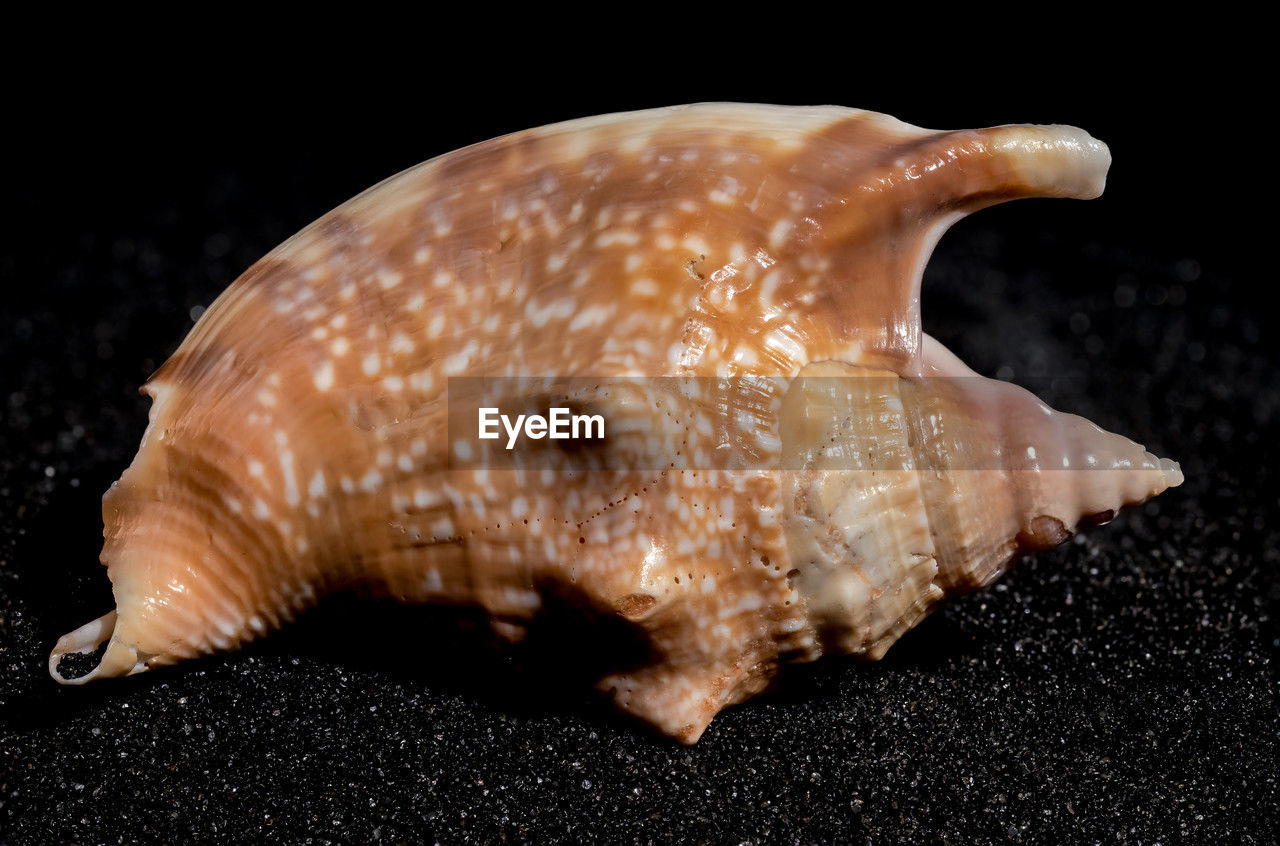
{"type": "Point", "coordinates": [766, 259]}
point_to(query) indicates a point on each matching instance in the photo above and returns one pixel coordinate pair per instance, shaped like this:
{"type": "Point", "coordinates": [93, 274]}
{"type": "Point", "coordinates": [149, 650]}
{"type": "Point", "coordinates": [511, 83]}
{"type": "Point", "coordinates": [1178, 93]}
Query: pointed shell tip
{"type": "Point", "coordinates": [1172, 472]}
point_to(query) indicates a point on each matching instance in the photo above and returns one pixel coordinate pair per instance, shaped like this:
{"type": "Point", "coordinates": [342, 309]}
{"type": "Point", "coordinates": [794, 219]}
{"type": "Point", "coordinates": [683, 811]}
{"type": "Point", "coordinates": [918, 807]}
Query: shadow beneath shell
{"type": "Point", "coordinates": [935, 641]}
{"type": "Point", "coordinates": [552, 669]}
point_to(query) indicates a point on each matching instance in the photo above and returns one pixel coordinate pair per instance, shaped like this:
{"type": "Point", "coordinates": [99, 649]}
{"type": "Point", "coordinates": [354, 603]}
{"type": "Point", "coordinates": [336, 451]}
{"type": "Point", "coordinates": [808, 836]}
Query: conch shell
{"type": "Point", "coordinates": [839, 472]}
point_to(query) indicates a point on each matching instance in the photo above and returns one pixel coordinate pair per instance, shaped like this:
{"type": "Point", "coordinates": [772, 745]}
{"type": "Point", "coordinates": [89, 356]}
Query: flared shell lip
{"type": "Point", "coordinates": [119, 659]}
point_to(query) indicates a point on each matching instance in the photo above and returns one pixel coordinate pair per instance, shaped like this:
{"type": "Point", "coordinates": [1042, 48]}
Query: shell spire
{"type": "Point", "coordinates": [1034, 477]}
{"type": "Point", "coordinates": [819, 478]}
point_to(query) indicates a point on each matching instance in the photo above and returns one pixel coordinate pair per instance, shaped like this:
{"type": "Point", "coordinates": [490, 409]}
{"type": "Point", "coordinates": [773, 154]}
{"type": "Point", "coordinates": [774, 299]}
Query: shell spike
{"type": "Point", "coordinates": [1021, 161]}
{"type": "Point", "coordinates": [909, 190]}
{"type": "Point", "coordinates": [933, 179]}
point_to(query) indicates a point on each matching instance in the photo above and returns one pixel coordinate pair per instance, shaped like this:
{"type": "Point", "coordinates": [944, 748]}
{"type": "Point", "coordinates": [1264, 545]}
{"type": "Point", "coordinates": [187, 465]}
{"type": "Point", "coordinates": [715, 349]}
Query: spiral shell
{"type": "Point", "coordinates": [792, 468]}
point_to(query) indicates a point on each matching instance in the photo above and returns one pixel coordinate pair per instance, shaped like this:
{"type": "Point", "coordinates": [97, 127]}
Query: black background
{"type": "Point", "coordinates": [1121, 687]}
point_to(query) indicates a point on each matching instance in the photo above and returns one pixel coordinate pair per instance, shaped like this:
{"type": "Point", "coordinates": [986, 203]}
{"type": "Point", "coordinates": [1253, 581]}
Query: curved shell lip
{"type": "Point", "coordinates": [86, 640]}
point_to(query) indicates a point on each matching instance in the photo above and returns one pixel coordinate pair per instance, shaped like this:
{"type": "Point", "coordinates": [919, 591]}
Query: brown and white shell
{"type": "Point", "coordinates": [299, 440]}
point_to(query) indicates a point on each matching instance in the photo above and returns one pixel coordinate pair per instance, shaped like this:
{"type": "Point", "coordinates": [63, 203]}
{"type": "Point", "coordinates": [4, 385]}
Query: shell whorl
{"type": "Point", "coordinates": [298, 440]}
